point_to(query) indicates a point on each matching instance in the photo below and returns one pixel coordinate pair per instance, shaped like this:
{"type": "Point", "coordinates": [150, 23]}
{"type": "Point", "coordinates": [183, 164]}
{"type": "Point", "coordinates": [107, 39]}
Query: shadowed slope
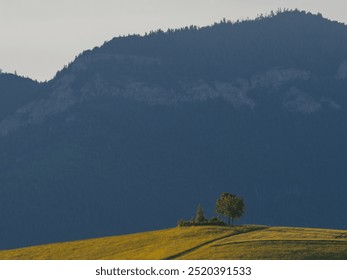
{"type": "Point", "coordinates": [277, 243]}
{"type": "Point", "coordinates": [237, 231]}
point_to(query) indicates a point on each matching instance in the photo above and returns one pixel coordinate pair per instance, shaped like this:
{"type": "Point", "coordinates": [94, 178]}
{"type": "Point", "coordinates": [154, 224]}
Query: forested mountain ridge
{"type": "Point", "coordinates": [135, 133]}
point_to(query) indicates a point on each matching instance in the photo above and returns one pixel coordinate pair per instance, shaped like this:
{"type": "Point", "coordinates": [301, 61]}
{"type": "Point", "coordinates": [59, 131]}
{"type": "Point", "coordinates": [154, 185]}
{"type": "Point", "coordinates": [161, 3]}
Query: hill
{"type": "Point", "coordinates": [16, 92]}
{"type": "Point", "coordinates": [242, 242]}
{"type": "Point", "coordinates": [137, 132]}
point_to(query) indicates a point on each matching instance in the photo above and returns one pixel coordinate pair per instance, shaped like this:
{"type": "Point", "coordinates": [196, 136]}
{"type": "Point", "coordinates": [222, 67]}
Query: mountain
{"type": "Point", "coordinates": [16, 92]}
{"type": "Point", "coordinates": [249, 242]}
{"type": "Point", "coordinates": [133, 135]}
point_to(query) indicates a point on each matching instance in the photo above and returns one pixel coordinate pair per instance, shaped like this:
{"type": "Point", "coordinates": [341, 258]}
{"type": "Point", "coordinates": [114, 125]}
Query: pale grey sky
{"type": "Point", "coordinates": [38, 37]}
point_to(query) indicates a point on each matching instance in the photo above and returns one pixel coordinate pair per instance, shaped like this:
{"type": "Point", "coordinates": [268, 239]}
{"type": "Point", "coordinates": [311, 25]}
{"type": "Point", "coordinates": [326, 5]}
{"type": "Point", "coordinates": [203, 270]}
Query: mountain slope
{"type": "Point", "coordinates": [133, 135]}
{"type": "Point", "coordinates": [16, 92]}
{"type": "Point", "coordinates": [243, 242]}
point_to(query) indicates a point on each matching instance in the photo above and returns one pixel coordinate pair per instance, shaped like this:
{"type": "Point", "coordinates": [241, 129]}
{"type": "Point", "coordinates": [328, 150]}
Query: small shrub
{"type": "Point", "coordinates": [215, 221]}
{"type": "Point", "coordinates": [184, 223]}
{"type": "Point", "coordinates": [181, 223]}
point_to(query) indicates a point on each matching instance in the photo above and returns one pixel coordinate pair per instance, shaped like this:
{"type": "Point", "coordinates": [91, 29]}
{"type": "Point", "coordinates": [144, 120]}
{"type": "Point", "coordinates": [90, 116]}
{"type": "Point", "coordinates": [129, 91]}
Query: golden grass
{"type": "Point", "coordinates": [208, 242]}
{"type": "Point", "coordinates": [277, 243]}
{"type": "Point", "coordinates": [148, 245]}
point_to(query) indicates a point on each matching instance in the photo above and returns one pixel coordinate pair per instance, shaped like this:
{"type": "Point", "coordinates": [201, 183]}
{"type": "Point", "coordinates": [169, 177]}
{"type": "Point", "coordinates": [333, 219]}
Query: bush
{"type": "Point", "coordinates": [183, 223]}
{"type": "Point", "coordinates": [215, 221]}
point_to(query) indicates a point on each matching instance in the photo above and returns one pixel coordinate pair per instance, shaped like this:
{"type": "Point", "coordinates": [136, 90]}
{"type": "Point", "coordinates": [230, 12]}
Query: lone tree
{"type": "Point", "coordinates": [200, 216]}
{"type": "Point", "coordinates": [231, 206]}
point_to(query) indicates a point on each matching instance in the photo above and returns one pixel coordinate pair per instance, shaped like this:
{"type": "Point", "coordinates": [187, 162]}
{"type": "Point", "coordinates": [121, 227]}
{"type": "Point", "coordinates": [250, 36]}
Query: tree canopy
{"type": "Point", "coordinates": [231, 206]}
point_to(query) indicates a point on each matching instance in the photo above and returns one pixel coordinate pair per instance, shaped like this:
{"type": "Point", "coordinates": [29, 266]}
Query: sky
{"type": "Point", "coordinates": [39, 37]}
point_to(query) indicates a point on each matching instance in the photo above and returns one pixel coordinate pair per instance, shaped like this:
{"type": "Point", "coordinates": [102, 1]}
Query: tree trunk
{"type": "Point", "coordinates": [228, 220]}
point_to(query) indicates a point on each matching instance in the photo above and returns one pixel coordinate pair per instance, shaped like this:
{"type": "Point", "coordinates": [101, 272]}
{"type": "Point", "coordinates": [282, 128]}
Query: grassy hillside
{"type": "Point", "coordinates": [242, 242]}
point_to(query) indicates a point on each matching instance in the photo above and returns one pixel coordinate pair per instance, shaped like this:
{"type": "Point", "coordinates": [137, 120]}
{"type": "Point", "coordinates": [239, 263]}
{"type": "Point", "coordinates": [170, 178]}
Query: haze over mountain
{"type": "Point", "coordinates": [133, 135]}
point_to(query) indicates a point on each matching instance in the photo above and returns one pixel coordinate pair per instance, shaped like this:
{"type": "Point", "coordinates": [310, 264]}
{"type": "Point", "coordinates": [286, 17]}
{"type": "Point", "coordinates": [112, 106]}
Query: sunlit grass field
{"type": "Point", "coordinates": [208, 242]}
